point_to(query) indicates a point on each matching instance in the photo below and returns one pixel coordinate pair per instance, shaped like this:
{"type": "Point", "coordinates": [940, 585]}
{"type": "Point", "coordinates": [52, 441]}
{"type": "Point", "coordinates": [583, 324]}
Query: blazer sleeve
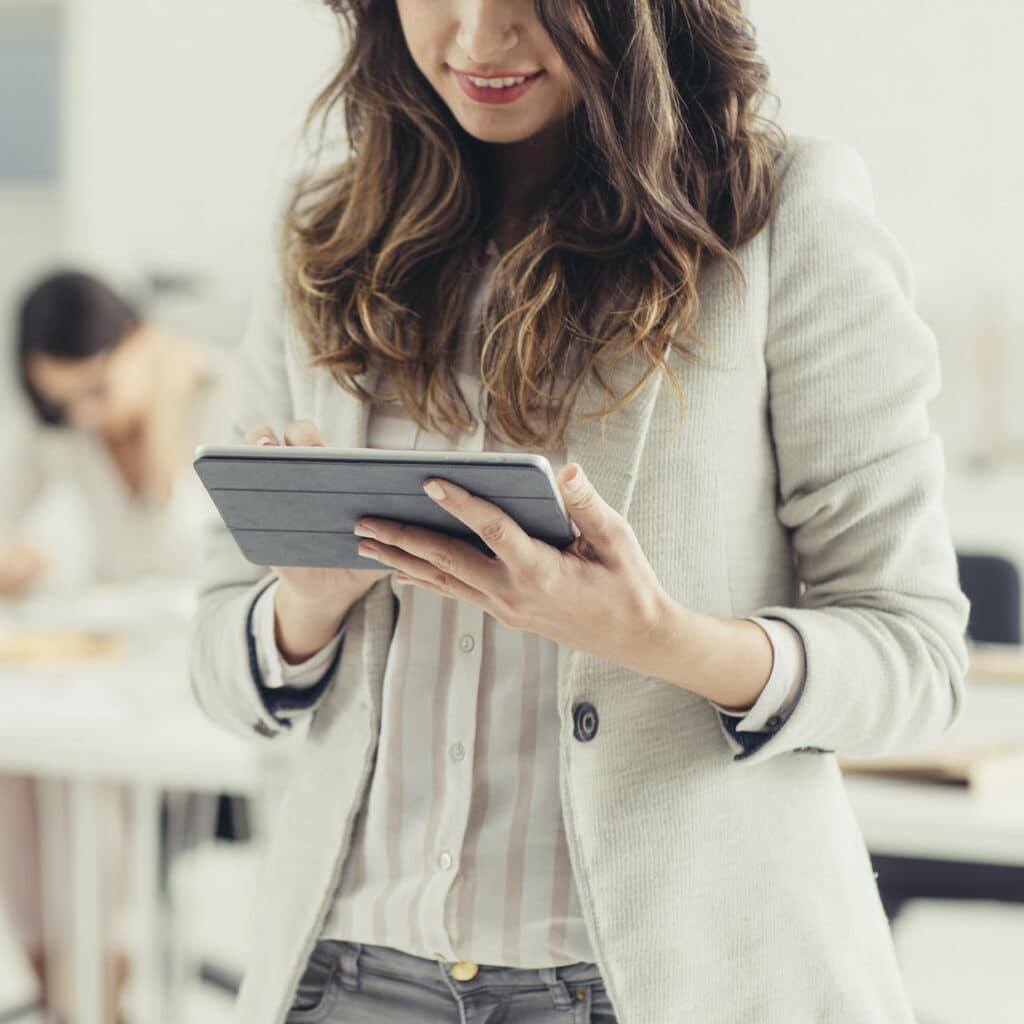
{"type": "Point", "coordinates": [851, 371]}
{"type": "Point", "coordinates": [224, 670]}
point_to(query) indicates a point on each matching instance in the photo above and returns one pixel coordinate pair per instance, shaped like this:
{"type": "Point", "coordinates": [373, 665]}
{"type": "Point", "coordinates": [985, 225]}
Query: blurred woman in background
{"type": "Point", "coordinates": [102, 490]}
{"type": "Point", "coordinates": [119, 405]}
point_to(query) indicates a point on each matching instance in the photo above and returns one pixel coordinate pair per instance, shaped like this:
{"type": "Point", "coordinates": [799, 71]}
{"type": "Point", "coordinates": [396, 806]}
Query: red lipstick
{"type": "Point", "coordinates": [496, 93]}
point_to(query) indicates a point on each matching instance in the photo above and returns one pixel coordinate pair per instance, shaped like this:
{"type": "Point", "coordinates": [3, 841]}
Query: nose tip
{"type": "Point", "coordinates": [481, 41]}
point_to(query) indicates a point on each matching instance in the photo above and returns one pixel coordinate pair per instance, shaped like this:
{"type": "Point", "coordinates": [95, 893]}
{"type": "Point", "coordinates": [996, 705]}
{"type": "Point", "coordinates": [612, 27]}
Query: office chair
{"type": "Point", "coordinates": [992, 584]}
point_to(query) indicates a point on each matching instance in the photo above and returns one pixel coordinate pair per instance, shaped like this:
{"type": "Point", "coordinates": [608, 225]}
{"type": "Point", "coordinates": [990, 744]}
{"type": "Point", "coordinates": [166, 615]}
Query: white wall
{"type": "Point", "coordinates": [182, 119]}
{"type": "Point", "coordinates": [931, 93]}
{"type": "Point", "coordinates": [31, 222]}
{"type": "Point", "coordinates": [181, 115]}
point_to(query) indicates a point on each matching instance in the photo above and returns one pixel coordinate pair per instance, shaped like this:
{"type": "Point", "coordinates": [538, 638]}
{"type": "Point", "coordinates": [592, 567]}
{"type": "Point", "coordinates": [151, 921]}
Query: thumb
{"type": "Point", "coordinates": [596, 519]}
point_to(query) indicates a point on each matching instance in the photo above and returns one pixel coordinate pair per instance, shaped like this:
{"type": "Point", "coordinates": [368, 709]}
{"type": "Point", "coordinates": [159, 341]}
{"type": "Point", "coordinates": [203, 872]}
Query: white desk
{"type": "Point", "coordinates": [129, 720]}
{"type": "Point", "coordinates": [132, 721]}
{"type": "Point", "coordinates": [912, 819]}
{"type": "Point", "coordinates": [919, 819]}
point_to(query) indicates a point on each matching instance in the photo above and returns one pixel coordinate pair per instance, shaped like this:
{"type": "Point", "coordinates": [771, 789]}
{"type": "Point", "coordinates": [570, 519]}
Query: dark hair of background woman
{"type": "Point", "coordinates": [69, 315]}
{"type": "Point", "coordinates": [671, 166]}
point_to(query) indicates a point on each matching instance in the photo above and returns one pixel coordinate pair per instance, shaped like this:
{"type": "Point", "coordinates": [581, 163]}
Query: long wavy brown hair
{"type": "Point", "coordinates": [670, 165]}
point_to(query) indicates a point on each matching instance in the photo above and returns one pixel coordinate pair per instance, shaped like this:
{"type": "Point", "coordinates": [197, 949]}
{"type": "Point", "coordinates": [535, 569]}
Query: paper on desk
{"type": "Point", "coordinates": [26, 644]}
{"type": "Point", "coordinates": [976, 766]}
{"type": "Point", "coordinates": [982, 750]}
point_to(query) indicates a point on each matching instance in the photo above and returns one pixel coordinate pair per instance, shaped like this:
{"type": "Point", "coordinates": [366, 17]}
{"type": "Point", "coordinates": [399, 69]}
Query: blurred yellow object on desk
{"type": "Point", "coordinates": [981, 767]}
{"type": "Point", "coordinates": [997, 662]}
{"type": "Point", "coordinates": [40, 644]}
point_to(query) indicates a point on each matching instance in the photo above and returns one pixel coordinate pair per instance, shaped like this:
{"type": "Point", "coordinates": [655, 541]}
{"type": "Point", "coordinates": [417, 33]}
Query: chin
{"type": "Point", "coordinates": [498, 133]}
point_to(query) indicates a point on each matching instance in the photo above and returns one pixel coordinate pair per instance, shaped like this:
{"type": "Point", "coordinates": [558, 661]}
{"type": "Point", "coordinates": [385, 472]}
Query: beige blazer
{"type": "Point", "coordinates": [719, 884]}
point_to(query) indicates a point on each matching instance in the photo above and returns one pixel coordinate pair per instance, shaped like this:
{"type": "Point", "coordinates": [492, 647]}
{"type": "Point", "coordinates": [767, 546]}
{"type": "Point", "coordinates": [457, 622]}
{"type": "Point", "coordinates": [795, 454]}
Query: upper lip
{"type": "Point", "coordinates": [497, 74]}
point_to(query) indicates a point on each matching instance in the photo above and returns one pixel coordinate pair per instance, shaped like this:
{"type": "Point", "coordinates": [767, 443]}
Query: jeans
{"type": "Point", "coordinates": [357, 983]}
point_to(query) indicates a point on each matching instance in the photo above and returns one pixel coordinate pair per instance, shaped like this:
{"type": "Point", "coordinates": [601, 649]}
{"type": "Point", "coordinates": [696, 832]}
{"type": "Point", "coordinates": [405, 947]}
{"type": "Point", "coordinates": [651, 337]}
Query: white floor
{"type": "Point", "coordinates": [963, 962]}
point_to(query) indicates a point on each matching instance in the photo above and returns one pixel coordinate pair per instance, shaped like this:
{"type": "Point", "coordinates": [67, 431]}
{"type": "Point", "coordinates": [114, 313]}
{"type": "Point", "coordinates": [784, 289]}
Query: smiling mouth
{"type": "Point", "coordinates": [500, 87]}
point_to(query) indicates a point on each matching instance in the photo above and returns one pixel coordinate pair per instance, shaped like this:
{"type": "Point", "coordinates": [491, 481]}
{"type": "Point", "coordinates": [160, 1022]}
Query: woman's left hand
{"type": "Point", "coordinates": [599, 595]}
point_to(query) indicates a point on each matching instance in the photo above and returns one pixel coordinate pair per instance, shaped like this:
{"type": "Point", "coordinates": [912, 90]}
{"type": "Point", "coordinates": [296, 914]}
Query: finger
{"type": "Point", "coordinates": [406, 580]}
{"type": "Point", "coordinates": [600, 525]}
{"type": "Point", "coordinates": [450, 555]}
{"type": "Point", "coordinates": [260, 435]}
{"type": "Point", "coordinates": [303, 433]}
{"type": "Point", "coordinates": [421, 570]}
{"type": "Point", "coordinates": [497, 529]}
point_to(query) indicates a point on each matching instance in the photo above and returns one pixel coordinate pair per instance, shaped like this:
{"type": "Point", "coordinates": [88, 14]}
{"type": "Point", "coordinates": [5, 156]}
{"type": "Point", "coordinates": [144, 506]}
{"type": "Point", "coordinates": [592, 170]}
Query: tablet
{"type": "Point", "coordinates": [297, 506]}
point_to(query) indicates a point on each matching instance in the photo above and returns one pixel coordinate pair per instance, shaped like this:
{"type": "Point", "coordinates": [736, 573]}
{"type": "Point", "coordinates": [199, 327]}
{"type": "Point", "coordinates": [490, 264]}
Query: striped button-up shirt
{"type": "Point", "coordinates": [459, 851]}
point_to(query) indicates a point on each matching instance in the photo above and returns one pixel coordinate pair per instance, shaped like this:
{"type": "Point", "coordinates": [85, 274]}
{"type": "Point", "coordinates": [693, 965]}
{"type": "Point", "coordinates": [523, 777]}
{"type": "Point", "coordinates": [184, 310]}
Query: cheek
{"type": "Point", "coordinates": [129, 386]}
{"type": "Point", "coordinates": [563, 90]}
{"type": "Point", "coordinates": [422, 33]}
{"type": "Point", "coordinates": [561, 93]}
{"type": "Point", "coordinates": [566, 91]}
{"type": "Point", "coordinates": [117, 407]}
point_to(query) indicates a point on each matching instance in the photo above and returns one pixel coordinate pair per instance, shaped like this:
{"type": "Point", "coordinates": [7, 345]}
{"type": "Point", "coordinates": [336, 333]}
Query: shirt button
{"type": "Point", "coordinates": [584, 722]}
{"type": "Point", "coordinates": [466, 643]}
{"type": "Point", "coordinates": [445, 860]}
{"type": "Point", "coordinates": [773, 723]}
{"type": "Point", "coordinates": [457, 751]}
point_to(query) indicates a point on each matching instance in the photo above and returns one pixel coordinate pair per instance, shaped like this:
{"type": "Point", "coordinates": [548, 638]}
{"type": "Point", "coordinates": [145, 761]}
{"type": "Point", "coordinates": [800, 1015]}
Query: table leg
{"type": "Point", "coordinates": [53, 855]}
{"type": "Point", "coordinates": [147, 987]}
{"type": "Point", "coordinates": [87, 933]}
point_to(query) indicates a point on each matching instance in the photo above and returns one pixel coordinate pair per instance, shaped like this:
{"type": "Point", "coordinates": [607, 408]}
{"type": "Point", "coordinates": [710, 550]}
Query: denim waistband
{"type": "Point", "coordinates": [352, 957]}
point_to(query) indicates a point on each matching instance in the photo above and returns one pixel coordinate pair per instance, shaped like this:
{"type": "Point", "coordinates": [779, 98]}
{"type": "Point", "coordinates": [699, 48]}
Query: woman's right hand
{"type": "Point", "coordinates": [311, 602]}
{"type": "Point", "coordinates": [21, 565]}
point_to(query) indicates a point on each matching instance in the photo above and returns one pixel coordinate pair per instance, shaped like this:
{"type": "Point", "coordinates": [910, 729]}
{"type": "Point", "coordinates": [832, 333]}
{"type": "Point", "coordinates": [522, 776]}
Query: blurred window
{"type": "Point", "coordinates": [29, 93]}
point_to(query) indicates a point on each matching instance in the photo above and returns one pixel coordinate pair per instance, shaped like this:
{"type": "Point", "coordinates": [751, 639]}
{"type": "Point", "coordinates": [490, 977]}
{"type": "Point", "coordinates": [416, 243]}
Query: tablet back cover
{"type": "Point", "coordinates": [301, 512]}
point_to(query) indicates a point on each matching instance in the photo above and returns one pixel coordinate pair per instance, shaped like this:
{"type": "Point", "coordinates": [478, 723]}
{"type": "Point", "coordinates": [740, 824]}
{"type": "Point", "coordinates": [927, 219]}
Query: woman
{"type": "Point", "coordinates": [116, 405]}
{"type": "Point", "coordinates": [100, 488]}
{"type": "Point", "coordinates": [600, 782]}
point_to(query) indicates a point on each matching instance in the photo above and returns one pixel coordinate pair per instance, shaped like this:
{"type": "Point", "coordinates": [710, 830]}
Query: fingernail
{"type": "Point", "coordinates": [435, 490]}
{"type": "Point", "coordinates": [264, 440]}
{"type": "Point", "coordinates": [363, 531]}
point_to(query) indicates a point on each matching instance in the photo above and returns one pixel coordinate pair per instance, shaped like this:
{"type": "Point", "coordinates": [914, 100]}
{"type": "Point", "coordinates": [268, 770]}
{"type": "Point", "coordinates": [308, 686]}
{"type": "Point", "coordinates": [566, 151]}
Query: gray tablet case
{"type": "Point", "coordinates": [297, 507]}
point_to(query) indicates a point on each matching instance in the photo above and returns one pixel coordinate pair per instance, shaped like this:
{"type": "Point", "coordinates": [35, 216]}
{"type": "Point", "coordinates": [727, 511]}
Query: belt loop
{"type": "Point", "coordinates": [348, 964]}
{"type": "Point", "coordinates": [558, 989]}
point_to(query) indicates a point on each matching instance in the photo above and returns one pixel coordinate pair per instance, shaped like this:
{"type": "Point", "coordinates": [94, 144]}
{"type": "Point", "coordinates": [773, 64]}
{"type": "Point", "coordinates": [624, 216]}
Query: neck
{"type": "Point", "coordinates": [522, 175]}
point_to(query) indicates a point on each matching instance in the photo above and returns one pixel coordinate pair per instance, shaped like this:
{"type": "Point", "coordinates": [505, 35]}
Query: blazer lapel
{"type": "Point", "coordinates": [346, 418]}
{"type": "Point", "coordinates": [345, 425]}
{"type": "Point", "coordinates": [610, 456]}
